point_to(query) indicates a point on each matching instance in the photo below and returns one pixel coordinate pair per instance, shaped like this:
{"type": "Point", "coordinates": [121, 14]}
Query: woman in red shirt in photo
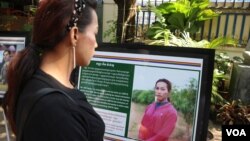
{"type": "Point", "coordinates": [160, 117]}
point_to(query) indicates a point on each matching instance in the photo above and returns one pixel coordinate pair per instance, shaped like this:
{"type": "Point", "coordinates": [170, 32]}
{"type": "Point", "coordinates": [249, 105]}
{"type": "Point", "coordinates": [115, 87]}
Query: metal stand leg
{"type": "Point", "coordinates": [6, 127]}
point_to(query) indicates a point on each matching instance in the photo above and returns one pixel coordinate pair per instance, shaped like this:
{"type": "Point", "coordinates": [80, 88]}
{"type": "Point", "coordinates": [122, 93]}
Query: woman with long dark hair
{"type": "Point", "coordinates": [63, 37]}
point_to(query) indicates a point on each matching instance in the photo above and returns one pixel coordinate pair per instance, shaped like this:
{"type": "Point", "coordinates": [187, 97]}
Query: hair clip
{"type": "Point", "coordinates": [78, 7]}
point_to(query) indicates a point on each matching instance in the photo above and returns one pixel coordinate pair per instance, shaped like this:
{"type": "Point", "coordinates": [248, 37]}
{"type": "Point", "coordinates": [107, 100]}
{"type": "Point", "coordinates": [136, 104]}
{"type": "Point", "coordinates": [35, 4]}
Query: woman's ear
{"type": "Point", "coordinates": [74, 35]}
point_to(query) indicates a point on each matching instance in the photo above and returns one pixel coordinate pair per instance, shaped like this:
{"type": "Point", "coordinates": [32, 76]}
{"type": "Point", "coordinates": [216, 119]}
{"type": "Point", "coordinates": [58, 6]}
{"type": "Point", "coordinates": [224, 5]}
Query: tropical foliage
{"type": "Point", "coordinates": [222, 71]}
{"type": "Point", "coordinates": [165, 37]}
{"type": "Point", "coordinates": [185, 15]}
{"type": "Point", "coordinates": [177, 20]}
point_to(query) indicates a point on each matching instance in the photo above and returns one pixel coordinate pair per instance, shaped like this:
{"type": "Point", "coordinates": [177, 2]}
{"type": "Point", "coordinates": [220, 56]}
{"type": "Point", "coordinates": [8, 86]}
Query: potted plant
{"type": "Point", "coordinates": [234, 112]}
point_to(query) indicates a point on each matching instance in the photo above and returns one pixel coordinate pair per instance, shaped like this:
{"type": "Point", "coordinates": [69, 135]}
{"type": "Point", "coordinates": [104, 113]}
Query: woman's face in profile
{"type": "Point", "coordinates": [161, 91]}
{"type": "Point", "coordinates": [86, 45]}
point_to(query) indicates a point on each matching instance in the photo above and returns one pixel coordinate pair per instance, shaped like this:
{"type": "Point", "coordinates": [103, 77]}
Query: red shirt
{"type": "Point", "coordinates": [158, 124]}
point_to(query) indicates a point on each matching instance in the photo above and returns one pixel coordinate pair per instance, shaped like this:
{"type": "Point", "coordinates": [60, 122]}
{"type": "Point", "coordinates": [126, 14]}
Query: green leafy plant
{"type": "Point", "coordinates": [224, 63]}
{"type": "Point", "coordinates": [111, 31]}
{"type": "Point", "coordinates": [222, 73]}
{"type": "Point", "coordinates": [177, 20]}
{"type": "Point", "coordinates": [165, 37]}
{"type": "Point", "coordinates": [160, 34]}
{"type": "Point", "coordinates": [223, 69]}
{"type": "Point", "coordinates": [216, 98]}
{"type": "Point", "coordinates": [185, 15]}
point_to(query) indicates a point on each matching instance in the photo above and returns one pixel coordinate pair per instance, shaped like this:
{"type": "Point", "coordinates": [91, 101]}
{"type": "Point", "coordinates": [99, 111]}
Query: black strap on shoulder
{"type": "Point", "coordinates": [31, 101]}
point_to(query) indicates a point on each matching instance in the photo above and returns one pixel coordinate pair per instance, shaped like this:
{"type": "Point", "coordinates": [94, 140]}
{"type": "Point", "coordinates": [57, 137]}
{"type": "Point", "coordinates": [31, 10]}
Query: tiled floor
{"type": "Point", "coordinates": [3, 134]}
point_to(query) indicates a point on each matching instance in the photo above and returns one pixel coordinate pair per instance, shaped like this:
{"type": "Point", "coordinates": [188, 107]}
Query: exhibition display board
{"type": "Point", "coordinates": [121, 78]}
